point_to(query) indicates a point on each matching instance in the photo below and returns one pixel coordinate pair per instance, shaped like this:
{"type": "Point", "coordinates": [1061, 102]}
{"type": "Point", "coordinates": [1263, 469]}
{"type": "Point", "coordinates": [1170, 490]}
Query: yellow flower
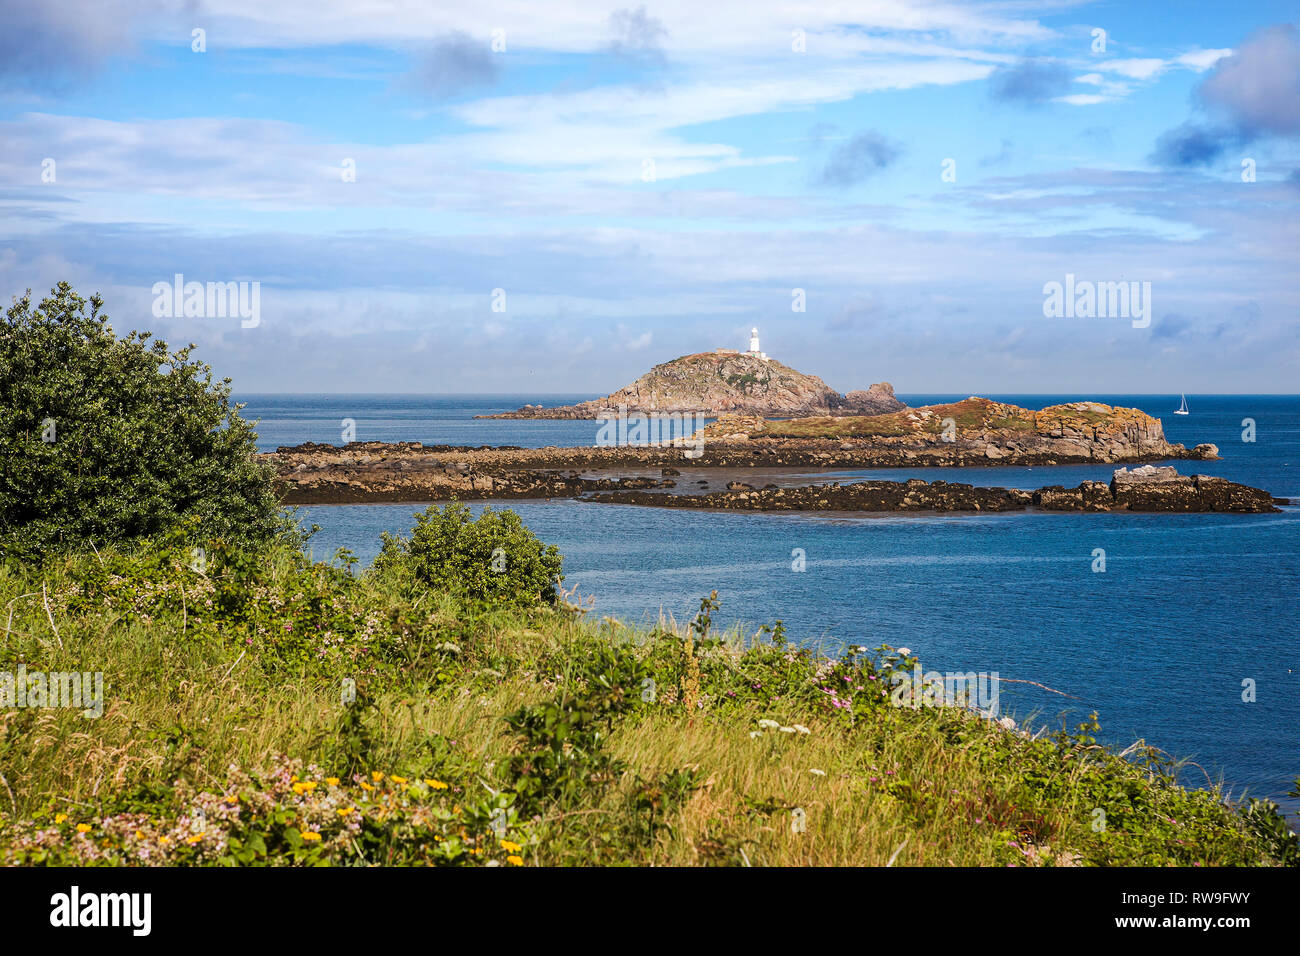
{"type": "Point", "coordinates": [294, 778]}
{"type": "Point", "coordinates": [297, 788]}
{"type": "Point", "coordinates": [311, 835]}
{"type": "Point", "coordinates": [344, 811]}
{"type": "Point", "coordinates": [139, 834]}
{"type": "Point", "coordinates": [233, 798]}
{"type": "Point", "coordinates": [510, 847]}
{"type": "Point", "coordinates": [397, 779]}
{"type": "Point", "coordinates": [194, 839]}
{"type": "Point", "coordinates": [308, 785]}
{"type": "Point", "coordinates": [515, 860]}
{"type": "Point", "coordinates": [376, 776]}
{"type": "Point", "coordinates": [83, 827]}
{"type": "Point", "coordinates": [60, 817]}
{"type": "Point", "coordinates": [436, 784]}
{"type": "Point", "coordinates": [163, 839]}
{"type": "Point", "coordinates": [332, 781]}
{"type": "Point", "coordinates": [366, 786]}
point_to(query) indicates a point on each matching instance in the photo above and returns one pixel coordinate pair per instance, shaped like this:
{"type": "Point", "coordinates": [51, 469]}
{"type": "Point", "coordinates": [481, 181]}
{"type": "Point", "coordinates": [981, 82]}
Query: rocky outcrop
{"type": "Point", "coordinates": [409, 471]}
{"type": "Point", "coordinates": [976, 431]}
{"type": "Point", "coordinates": [724, 382]}
{"type": "Point", "coordinates": [1195, 493]}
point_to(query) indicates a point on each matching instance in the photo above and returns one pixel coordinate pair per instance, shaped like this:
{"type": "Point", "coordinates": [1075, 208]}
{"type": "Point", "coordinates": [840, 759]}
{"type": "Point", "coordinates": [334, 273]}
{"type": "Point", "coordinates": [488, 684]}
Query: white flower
{"type": "Point", "coordinates": [755, 734]}
{"type": "Point", "coordinates": [802, 729]}
{"type": "Point", "coordinates": [787, 730]}
{"type": "Point", "coordinates": [820, 773]}
{"type": "Point", "coordinates": [766, 724]}
{"type": "Point", "coordinates": [904, 651]}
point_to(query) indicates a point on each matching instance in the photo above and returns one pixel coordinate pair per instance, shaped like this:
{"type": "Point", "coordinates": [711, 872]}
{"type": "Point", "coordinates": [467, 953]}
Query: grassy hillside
{"type": "Point", "coordinates": [491, 733]}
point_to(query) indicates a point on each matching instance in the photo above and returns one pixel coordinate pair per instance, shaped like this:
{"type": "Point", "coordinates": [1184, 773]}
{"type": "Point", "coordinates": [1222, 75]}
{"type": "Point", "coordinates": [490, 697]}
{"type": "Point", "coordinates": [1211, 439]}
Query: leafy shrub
{"type": "Point", "coordinates": [492, 558]}
{"type": "Point", "coordinates": [109, 440]}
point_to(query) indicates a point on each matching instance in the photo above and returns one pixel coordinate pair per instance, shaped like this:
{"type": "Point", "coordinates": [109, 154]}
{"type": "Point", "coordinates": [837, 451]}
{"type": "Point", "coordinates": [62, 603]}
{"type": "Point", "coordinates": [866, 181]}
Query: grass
{"type": "Point", "coordinates": [522, 735]}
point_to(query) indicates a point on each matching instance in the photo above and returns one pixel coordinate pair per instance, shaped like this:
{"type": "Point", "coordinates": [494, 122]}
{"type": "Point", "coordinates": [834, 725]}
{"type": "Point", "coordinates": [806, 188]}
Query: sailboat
{"type": "Point", "coordinates": [1182, 409]}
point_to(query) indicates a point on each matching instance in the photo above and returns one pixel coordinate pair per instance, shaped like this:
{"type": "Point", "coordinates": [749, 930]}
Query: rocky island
{"type": "Point", "coordinates": [721, 382]}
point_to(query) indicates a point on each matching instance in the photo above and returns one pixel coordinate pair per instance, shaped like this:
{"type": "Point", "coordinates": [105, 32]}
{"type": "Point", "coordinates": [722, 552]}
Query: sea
{"type": "Point", "coordinates": [1185, 635]}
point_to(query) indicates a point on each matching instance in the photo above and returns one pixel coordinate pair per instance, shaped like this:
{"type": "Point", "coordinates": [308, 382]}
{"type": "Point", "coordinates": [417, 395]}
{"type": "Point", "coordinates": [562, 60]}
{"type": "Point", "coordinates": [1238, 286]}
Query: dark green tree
{"type": "Point", "coordinates": [108, 440]}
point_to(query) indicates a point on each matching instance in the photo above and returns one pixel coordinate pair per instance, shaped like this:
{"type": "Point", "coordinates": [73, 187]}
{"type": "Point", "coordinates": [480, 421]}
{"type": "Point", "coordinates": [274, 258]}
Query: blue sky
{"type": "Point", "coordinates": [645, 181]}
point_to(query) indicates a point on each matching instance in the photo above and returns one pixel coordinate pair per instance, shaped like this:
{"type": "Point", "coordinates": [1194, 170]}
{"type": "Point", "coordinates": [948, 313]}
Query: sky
{"type": "Point", "coordinates": [509, 196]}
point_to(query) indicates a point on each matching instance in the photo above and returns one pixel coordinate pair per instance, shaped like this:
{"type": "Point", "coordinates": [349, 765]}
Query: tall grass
{"type": "Point", "coordinates": [226, 689]}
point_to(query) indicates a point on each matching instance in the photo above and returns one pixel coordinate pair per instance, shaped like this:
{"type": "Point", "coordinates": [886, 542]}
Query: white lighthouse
{"type": "Point", "coordinates": [754, 350]}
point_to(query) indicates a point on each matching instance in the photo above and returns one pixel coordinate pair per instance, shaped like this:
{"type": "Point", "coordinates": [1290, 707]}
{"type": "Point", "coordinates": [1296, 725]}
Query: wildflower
{"type": "Point", "coordinates": [787, 730]}
{"type": "Point", "coordinates": [164, 839]}
{"type": "Point", "coordinates": [83, 827]}
{"type": "Point", "coordinates": [802, 729]}
{"type": "Point", "coordinates": [904, 651]}
{"type": "Point", "coordinates": [755, 734]}
{"type": "Point", "coordinates": [194, 839]}
{"type": "Point", "coordinates": [233, 798]}
{"type": "Point", "coordinates": [436, 784]}
{"type": "Point", "coordinates": [60, 817]}
{"type": "Point", "coordinates": [344, 811]}
{"type": "Point", "coordinates": [515, 860]}
{"type": "Point", "coordinates": [376, 776]}
{"type": "Point", "coordinates": [332, 781]}
{"type": "Point", "coordinates": [366, 786]}
{"type": "Point", "coordinates": [510, 847]}
{"type": "Point", "coordinates": [766, 724]}
{"type": "Point", "coordinates": [311, 835]}
{"type": "Point", "coordinates": [398, 780]}
{"type": "Point", "coordinates": [820, 773]}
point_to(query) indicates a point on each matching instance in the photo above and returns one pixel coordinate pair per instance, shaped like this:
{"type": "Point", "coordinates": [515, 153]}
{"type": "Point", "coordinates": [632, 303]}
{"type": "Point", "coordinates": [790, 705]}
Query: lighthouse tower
{"type": "Point", "coordinates": [753, 345]}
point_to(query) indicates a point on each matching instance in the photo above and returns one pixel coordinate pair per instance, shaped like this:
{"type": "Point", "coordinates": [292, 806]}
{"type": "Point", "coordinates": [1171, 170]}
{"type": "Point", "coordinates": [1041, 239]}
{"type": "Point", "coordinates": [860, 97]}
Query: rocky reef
{"type": "Point", "coordinates": [725, 382]}
{"type": "Point", "coordinates": [1142, 490]}
{"type": "Point", "coordinates": [410, 471]}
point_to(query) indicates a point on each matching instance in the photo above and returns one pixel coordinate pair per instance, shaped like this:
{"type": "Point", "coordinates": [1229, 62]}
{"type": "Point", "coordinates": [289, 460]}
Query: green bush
{"type": "Point", "coordinates": [109, 440]}
{"type": "Point", "coordinates": [491, 558]}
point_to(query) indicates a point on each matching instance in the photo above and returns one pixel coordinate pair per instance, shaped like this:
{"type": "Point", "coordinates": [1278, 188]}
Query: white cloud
{"type": "Point", "coordinates": [1143, 69]}
{"type": "Point", "coordinates": [1201, 60]}
{"type": "Point", "coordinates": [1083, 99]}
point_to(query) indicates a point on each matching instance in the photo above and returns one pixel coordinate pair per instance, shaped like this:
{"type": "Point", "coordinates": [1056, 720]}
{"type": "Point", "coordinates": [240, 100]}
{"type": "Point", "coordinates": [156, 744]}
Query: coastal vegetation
{"type": "Point", "coordinates": [106, 439]}
{"type": "Point", "coordinates": [452, 704]}
{"type": "Point", "coordinates": [272, 709]}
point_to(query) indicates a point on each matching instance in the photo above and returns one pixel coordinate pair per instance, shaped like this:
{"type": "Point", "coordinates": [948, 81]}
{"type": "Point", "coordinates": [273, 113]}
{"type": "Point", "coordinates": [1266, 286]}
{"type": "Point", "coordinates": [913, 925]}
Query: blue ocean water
{"type": "Point", "coordinates": [1188, 608]}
